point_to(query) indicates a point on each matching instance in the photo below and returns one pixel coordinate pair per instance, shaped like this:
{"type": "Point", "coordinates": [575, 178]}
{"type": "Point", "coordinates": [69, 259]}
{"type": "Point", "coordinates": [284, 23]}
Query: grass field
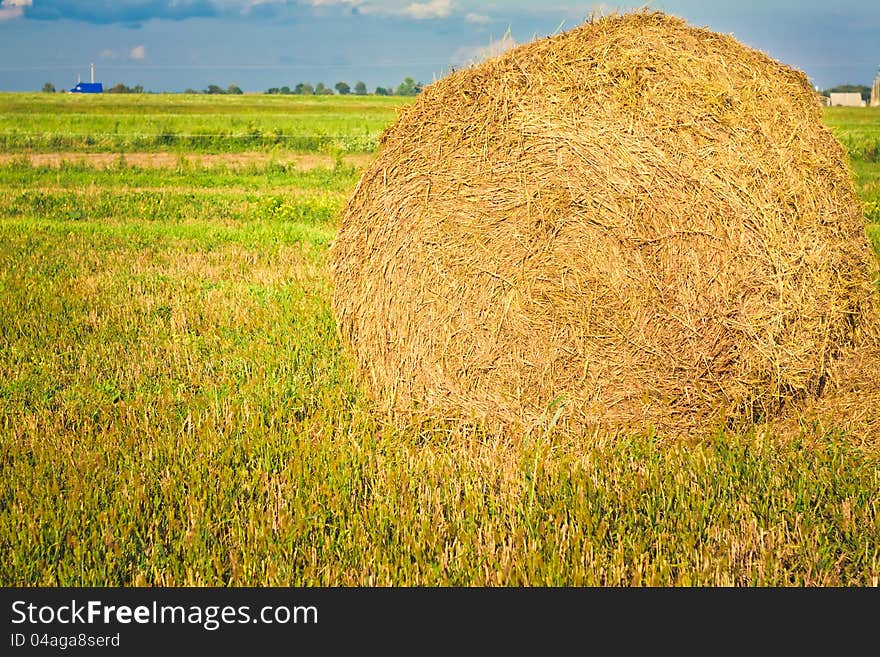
{"type": "Point", "coordinates": [858, 129]}
{"type": "Point", "coordinates": [175, 407]}
{"type": "Point", "coordinates": [191, 123]}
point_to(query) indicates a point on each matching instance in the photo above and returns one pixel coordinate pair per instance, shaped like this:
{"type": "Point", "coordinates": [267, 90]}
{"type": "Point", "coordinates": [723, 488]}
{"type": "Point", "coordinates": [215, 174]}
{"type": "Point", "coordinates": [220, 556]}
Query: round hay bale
{"type": "Point", "coordinates": [636, 222]}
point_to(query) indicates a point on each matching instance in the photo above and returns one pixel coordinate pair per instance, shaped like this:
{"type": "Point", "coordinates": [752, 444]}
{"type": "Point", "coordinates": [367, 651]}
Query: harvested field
{"type": "Point", "coordinates": [176, 407]}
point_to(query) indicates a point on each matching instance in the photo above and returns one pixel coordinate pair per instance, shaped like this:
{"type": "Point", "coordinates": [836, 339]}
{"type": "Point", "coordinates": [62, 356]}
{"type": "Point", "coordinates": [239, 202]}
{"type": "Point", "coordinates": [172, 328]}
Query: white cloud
{"type": "Point", "coordinates": [13, 8]}
{"type": "Point", "coordinates": [250, 4]}
{"type": "Point", "coordinates": [479, 19]}
{"type": "Point", "coordinates": [330, 3]}
{"type": "Point", "coordinates": [425, 10]}
{"type": "Point", "coordinates": [419, 10]}
{"type": "Point", "coordinates": [416, 10]}
{"type": "Point", "coordinates": [137, 53]}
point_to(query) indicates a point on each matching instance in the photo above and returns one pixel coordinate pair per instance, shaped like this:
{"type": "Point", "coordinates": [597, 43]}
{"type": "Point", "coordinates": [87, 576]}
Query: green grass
{"type": "Point", "coordinates": [858, 129]}
{"type": "Point", "coordinates": [175, 408]}
{"type": "Point", "coordinates": [256, 177]}
{"type": "Point", "coordinates": [867, 181]}
{"type": "Point", "coordinates": [192, 123]}
{"type": "Point", "coordinates": [78, 192]}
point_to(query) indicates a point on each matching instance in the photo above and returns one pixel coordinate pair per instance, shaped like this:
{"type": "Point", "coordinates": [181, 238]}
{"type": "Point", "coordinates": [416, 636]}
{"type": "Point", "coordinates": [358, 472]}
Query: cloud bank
{"type": "Point", "coordinates": [135, 12]}
{"type": "Point", "coordinates": [13, 8]}
{"type": "Point", "coordinates": [115, 11]}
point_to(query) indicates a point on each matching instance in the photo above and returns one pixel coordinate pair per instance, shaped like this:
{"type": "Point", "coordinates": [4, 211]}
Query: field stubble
{"type": "Point", "coordinates": [175, 409]}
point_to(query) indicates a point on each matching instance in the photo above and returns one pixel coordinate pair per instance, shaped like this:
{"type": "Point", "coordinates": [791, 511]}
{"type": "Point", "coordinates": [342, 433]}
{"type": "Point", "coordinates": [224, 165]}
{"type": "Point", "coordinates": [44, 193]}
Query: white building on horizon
{"type": "Point", "coordinates": [846, 99]}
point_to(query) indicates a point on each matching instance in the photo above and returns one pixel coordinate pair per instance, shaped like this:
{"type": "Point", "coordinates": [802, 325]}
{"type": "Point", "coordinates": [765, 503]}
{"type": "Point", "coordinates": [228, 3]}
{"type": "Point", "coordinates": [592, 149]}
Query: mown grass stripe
{"type": "Point", "coordinates": [206, 234]}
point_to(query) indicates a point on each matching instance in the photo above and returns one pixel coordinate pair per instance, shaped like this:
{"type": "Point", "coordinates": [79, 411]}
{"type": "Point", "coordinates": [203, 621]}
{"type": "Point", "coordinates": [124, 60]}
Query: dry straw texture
{"type": "Point", "coordinates": [632, 223]}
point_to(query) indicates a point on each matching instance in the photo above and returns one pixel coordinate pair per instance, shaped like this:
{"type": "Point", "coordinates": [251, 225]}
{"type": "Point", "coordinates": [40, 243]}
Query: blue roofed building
{"type": "Point", "coordinates": [88, 87]}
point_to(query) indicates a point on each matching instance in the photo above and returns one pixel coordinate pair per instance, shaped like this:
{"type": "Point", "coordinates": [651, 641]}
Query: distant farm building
{"type": "Point", "coordinates": [848, 99]}
{"type": "Point", "coordinates": [88, 87]}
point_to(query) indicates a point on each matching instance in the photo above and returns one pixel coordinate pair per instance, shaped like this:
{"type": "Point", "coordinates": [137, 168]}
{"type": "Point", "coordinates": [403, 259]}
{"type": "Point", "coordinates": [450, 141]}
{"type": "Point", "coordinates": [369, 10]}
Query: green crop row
{"type": "Point", "coordinates": [169, 207]}
{"type": "Point", "coordinates": [253, 177]}
{"type": "Point", "coordinates": [215, 142]}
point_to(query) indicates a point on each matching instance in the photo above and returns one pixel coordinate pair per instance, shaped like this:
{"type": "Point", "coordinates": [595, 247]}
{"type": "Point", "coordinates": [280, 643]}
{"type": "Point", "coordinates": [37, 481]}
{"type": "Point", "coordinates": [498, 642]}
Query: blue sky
{"type": "Point", "coordinates": [170, 45]}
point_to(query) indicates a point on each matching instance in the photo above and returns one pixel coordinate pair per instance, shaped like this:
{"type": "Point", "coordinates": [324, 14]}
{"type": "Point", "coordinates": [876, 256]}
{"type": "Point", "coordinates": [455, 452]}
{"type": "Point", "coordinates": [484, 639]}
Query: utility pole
{"type": "Point", "coordinates": [875, 90]}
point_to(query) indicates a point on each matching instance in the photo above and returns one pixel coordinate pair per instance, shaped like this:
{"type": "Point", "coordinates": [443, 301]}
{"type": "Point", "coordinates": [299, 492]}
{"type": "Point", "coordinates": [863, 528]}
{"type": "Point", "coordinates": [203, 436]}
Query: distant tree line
{"type": "Point", "coordinates": [213, 89]}
{"type": "Point", "coordinates": [408, 87]}
{"type": "Point", "coordinates": [120, 88]}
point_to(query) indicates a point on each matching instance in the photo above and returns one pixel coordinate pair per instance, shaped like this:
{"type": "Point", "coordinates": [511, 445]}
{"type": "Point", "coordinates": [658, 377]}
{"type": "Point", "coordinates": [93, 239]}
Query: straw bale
{"type": "Point", "coordinates": [633, 223]}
